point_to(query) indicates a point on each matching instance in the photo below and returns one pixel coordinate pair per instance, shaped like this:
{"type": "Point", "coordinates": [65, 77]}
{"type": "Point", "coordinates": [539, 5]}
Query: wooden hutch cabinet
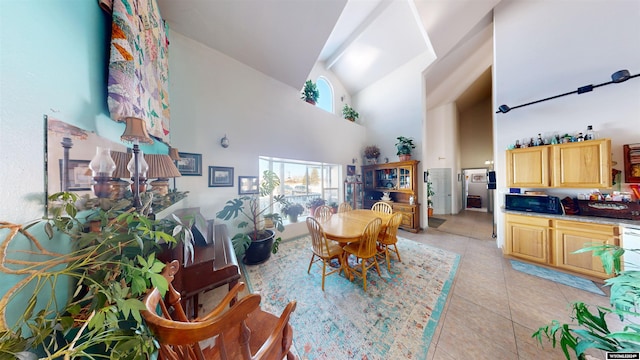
{"type": "Point", "coordinates": [400, 179]}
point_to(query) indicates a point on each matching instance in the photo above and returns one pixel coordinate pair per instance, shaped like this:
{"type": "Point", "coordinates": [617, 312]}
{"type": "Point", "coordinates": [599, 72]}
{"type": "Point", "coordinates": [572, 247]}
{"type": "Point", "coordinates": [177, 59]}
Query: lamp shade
{"type": "Point", "coordinates": [121, 159]}
{"type": "Point", "coordinates": [161, 166]}
{"type": "Point", "coordinates": [136, 131]}
{"type": "Point", "coordinates": [174, 154]}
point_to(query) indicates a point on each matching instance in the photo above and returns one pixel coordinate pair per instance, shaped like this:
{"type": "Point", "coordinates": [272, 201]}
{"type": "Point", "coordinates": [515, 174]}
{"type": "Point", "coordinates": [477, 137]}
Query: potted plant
{"type": "Point", "coordinates": [257, 244]}
{"type": "Point", "coordinates": [334, 207]}
{"type": "Point", "coordinates": [292, 210]}
{"type": "Point", "coordinates": [110, 270]}
{"type": "Point", "coordinates": [313, 204]}
{"type": "Point", "coordinates": [349, 113]}
{"type": "Point", "coordinates": [430, 194]}
{"type": "Point", "coordinates": [592, 329]}
{"type": "Point", "coordinates": [310, 92]}
{"type": "Point", "coordinates": [404, 147]}
{"type": "Point", "coordinates": [372, 152]}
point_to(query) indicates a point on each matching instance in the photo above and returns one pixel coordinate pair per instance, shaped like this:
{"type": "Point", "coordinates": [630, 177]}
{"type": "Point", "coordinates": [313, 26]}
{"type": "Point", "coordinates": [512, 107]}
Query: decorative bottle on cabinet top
{"type": "Point", "coordinates": [590, 135]}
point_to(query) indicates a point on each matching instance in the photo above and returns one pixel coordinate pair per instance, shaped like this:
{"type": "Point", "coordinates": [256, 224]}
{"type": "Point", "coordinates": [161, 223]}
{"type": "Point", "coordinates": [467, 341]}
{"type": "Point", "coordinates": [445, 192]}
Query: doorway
{"type": "Point", "coordinates": [475, 194]}
{"type": "Point", "coordinates": [441, 182]}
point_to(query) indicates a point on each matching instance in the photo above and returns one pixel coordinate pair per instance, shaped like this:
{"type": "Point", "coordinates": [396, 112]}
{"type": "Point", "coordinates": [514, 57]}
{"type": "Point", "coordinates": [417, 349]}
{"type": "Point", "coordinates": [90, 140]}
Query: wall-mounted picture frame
{"type": "Point", "coordinates": [248, 185]}
{"type": "Point", "coordinates": [351, 170]}
{"type": "Point", "coordinates": [79, 175]}
{"type": "Point", "coordinates": [478, 178]}
{"type": "Point", "coordinates": [190, 164]}
{"type": "Point", "coordinates": [220, 176]}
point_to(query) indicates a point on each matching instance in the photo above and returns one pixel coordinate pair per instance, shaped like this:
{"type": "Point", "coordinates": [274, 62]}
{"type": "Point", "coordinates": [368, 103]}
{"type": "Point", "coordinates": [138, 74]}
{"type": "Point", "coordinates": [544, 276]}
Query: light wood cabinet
{"type": "Point", "coordinates": [573, 235]}
{"type": "Point", "coordinates": [585, 164]}
{"type": "Point", "coordinates": [528, 167]}
{"type": "Point", "coordinates": [400, 179]}
{"type": "Point", "coordinates": [528, 238]}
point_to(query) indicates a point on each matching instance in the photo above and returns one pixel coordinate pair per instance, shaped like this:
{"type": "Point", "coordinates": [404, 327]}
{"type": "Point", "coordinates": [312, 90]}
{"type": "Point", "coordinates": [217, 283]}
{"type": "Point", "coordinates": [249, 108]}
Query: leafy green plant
{"type": "Point", "coordinates": [253, 211]}
{"type": "Point", "coordinates": [430, 193]}
{"type": "Point", "coordinates": [349, 113]}
{"type": "Point", "coordinates": [112, 269]}
{"type": "Point", "coordinates": [404, 145]}
{"type": "Point", "coordinates": [592, 330]}
{"type": "Point", "coordinates": [310, 92]}
{"type": "Point", "coordinates": [292, 209]}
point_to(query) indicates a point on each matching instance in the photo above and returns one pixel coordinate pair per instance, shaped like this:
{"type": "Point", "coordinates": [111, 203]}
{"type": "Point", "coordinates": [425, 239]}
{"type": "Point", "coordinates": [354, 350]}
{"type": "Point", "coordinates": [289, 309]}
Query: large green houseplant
{"type": "Point", "coordinates": [110, 269]}
{"type": "Point", "coordinates": [591, 329]}
{"type": "Point", "coordinates": [310, 92]}
{"type": "Point", "coordinates": [404, 146]}
{"type": "Point", "coordinates": [256, 244]}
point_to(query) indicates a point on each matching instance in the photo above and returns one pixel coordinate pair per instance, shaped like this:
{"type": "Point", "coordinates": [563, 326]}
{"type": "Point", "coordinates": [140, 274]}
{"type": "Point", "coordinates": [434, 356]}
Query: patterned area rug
{"type": "Point", "coordinates": [557, 276]}
{"type": "Point", "coordinates": [394, 319]}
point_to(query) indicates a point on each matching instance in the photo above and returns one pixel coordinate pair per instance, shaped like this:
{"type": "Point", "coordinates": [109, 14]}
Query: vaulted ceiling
{"type": "Point", "coordinates": [360, 41]}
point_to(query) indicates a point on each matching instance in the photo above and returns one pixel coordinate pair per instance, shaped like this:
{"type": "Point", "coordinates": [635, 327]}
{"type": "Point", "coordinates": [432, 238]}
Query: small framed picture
{"type": "Point", "coordinates": [78, 175]}
{"type": "Point", "coordinates": [351, 170]}
{"type": "Point", "coordinates": [220, 176]}
{"type": "Point", "coordinates": [478, 178]}
{"type": "Point", "coordinates": [190, 164]}
{"type": "Point", "coordinates": [247, 185]}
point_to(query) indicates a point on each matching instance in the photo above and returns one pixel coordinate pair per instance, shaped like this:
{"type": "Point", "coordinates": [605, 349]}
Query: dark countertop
{"type": "Point", "coordinates": [587, 219]}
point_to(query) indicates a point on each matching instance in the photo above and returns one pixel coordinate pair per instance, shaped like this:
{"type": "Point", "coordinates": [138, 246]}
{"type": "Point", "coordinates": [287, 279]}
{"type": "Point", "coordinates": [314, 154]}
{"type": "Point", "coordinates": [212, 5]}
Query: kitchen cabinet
{"type": "Point", "coordinates": [353, 194]}
{"type": "Point", "coordinates": [400, 179]}
{"type": "Point", "coordinates": [528, 238]}
{"type": "Point", "coordinates": [584, 164]}
{"type": "Point", "coordinates": [573, 235]}
{"type": "Point", "coordinates": [528, 167]}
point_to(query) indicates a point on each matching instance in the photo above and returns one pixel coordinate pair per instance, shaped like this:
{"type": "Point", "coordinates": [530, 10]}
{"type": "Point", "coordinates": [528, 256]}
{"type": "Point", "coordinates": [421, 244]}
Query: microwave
{"type": "Point", "coordinates": [544, 204]}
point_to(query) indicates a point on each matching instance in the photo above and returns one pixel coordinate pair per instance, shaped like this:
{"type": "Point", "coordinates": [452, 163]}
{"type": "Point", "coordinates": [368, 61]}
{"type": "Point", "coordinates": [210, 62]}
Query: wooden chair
{"type": "Point", "coordinates": [382, 207]}
{"type": "Point", "coordinates": [365, 250]}
{"type": "Point", "coordinates": [344, 207]}
{"type": "Point", "coordinates": [242, 331]}
{"type": "Point", "coordinates": [323, 213]}
{"type": "Point", "coordinates": [323, 249]}
{"type": "Point", "coordinates": [389, 237]}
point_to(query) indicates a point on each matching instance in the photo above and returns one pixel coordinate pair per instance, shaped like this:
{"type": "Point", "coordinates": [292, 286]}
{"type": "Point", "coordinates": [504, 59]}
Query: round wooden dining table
{"type": "Point", "coordinates": [346, 227]}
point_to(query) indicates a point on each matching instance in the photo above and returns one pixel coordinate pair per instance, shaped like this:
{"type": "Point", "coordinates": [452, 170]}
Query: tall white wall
{"type": "Point", "coordinates": [213, 95]}
{"type": "Point", "coordinates": [545, 48]}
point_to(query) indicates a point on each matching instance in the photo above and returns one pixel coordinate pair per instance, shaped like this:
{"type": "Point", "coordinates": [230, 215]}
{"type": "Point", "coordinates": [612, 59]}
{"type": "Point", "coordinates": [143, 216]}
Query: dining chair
{"type": "Point", "coordinates": [382, 207]}
{"type": "Point", "coordinates": [323, 213]}
{"type": "Point", "coordinates": [344, 207]}
{"type": "Point", "coordinates": [389, 237]}
{"type": "Point", "coordinates": [323, 250]}
{"type": "Point", "coordinates": [365, 251]}
{"type": "Point", "coordinates": [239, 331]}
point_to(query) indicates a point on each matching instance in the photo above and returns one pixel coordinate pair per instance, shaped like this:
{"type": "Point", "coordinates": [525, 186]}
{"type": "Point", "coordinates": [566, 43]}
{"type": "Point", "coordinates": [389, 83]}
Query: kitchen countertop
{"type": "Point", "coordinates": [587, 219]}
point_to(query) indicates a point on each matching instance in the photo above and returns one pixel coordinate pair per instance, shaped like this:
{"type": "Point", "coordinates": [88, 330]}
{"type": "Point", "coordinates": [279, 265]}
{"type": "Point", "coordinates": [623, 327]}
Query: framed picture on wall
{"type": "Point", "coordinates": [78, 175]}
{"type": "Point", "coordinates": [190, 164]}
{"type": "Point", "coordinates": [247, 185]}
{"type": "Point", "coordinates": [478, 178]}
{"type": "Point", "coordinates": [220, 176]}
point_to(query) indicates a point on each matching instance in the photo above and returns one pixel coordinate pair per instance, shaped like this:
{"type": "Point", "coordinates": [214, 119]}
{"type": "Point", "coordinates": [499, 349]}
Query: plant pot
{"type": "Point", "coordinates": [259, 250]}
{"type": "Point", "coordinates": [312, 102]}
{"type": "Point", "coordinates": [430, 212]}
{"type": "Point", "coordinates": [293, 218]}
{"type": "Point", "coordinates": [405, 157]}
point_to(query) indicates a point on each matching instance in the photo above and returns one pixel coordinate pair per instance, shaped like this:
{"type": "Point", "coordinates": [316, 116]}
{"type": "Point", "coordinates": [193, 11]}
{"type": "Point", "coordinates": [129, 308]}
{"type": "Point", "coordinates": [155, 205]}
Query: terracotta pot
{"type": "Point", "coordinates": [405, 157]}
{"type": "Point", "coordinates": [430, 212]}
{"type": "Point", "coordinates": [312, 102]}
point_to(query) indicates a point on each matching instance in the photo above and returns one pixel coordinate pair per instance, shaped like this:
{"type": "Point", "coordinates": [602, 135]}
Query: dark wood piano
{"type": "Point", "coordinates": [214, 263]}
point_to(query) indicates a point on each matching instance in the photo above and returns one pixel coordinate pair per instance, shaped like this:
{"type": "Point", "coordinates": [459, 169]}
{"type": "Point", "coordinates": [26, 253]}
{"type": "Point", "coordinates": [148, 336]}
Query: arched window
{"type": "Point", "coordinates": [325, 100]}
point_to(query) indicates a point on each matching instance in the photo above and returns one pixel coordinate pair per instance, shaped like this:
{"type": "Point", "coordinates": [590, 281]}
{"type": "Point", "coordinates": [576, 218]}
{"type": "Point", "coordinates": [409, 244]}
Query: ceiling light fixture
{"type": "Point", "coordinates": [616, 77]}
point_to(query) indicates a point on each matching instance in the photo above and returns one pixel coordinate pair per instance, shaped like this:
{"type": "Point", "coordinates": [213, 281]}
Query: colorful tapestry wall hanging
{"type": "Point", "coordinates": [138, 83]}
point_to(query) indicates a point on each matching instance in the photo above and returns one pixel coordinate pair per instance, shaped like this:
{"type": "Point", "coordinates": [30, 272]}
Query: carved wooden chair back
{"type": "Point", "coordinates": [344, 207]}
{"type": "Point", "coordinates": [389, 237]}
{"type": "Point", "coordinates": [323, 250]}
{"type": "Point", "coordinates": [365, 250]}
{"type": "Point", "coordinates": [323, 213]}
{"type": "Point", "coordinates": [243, 331]}
{"type": "Point", "coordinates": [382, 207]}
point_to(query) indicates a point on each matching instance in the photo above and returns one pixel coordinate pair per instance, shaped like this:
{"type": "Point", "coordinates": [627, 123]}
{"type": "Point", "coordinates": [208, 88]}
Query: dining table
{"type": "Point", "coordinates": [347, 227]}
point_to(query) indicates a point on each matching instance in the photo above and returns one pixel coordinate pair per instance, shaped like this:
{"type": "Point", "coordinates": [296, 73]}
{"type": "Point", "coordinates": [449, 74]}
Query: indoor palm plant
{"type": "Point", "coordinates": [111, 270]}
{"type": "Point", "coordinates": [349, 113]}
{"type": "Point", "coordinates": [404, 146]}
{"type": "Point", "coordinates": [310, 92]}
{"type": "Point", "coordinates": [592, 329]}
{"type": "Point", "coordinates": [257, 244]}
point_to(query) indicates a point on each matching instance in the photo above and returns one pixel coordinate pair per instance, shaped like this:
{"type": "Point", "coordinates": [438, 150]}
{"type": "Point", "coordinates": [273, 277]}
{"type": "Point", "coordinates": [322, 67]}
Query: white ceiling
{"type": "Point", "coordinates": [359, 40]}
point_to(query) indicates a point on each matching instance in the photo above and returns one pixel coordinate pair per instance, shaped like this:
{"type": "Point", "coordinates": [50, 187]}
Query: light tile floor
{"type": "Point", "coordinates": [492, 310]}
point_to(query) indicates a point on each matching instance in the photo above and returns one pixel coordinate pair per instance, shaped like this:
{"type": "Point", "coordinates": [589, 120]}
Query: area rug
{"type": "Point", "coordinates": [557, 276]}
{"type": "Point", "coordinates": [435, 222]}
{"type": "Point", "coordinates": [394, 319]}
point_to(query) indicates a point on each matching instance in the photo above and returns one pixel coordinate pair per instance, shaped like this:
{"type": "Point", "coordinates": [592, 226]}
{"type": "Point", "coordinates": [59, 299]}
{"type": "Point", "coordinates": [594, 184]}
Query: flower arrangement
{"type": "Point", "coordinates": [371, 152]}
